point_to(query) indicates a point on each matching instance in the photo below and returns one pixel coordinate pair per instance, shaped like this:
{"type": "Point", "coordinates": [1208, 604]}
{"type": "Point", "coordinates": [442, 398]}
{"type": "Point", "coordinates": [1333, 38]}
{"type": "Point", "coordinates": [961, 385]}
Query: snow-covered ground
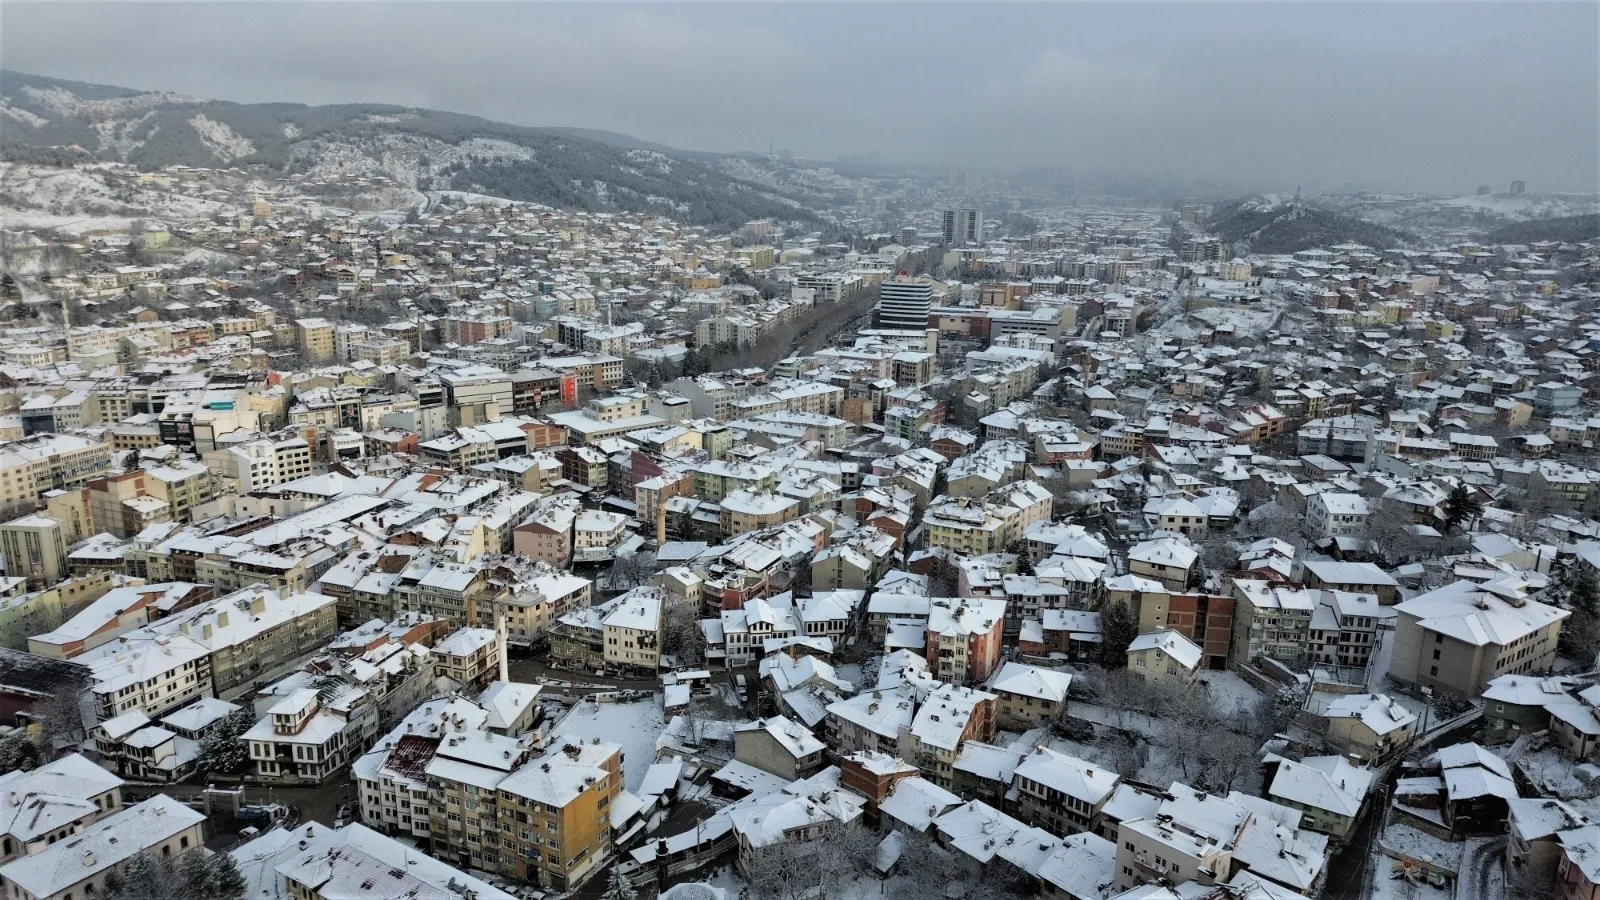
{"type": "Point", "coordinates": [1229, 692]}
{"type": "Point", "coordinates": [1517, 207]}
{"type": "Point", "coordinates": [635, 726]}
{"type": "Point", "coordinates": [89, 199]}
{"type": "Point", "coordinates": [1248, 321]}
{"type": "Point", "coordinates": [1385, 886]}
{"type": "Point", "coordinates": [1420, 845]}
{"type": "Point", "coordinates": [1553, 774]}
{"type": "Point", "coordinates": [1382, 657]}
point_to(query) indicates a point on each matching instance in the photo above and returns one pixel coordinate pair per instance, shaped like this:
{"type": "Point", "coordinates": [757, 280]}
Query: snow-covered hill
{"type": "Point", "coordinates": [1441, 216]}
{"type": "Point", "coordinates": [55, 122]}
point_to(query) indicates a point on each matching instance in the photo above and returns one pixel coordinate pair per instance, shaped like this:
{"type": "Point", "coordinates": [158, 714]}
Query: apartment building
{"type": "Point", "coordinates": [1209, 839]}
{"type": "Point", "coordinates": [314, 339]}
{"type": "Point", "coordinates": [47, 462]}
{"type": "Point", "coordinates": [315, 862]}
{"type": "Point", "coordinates": [115, 613]}
{"type": "Point", "coordinates": [1168, 560]}
{"type": "Point", "coordinates": [147, 674]}
{"type": "Point", "coordinates": [546, 535]}
{"type": "Point", "coordinates": [870, 722]}
{"type": "Point", "coordinates": [1344, 628]}
{"type": "Point", "coordinates": [259, 464]}
{"type": "Point", "coordinates": [34, 547]}
{"type": "Point", "coordinates": [208, 649]}
{"type": "Point", "coordinates": [1464, 635]}
{"type": "Point", "coordinates": [778, 745]}
{"type": "Point", "coordinates": [1331, 514]}
{"type": "Point", "coordinates": [470, 657]}
{"type": "Point", "coordinates": [632, 631]}
{"type": "Point", "coordinates": [182, 485]}
{"type": "Point", "coordinates": [391, 778]}
{"type": "Point", "coordinates": [744, 511]}
{"type": "Point", "coordinates": [1271, 621]}
{"type": "Point", "coordinates": [949, 717]}
{"type": "Point", "coordinates": [963, 638]}
{"type": "Point", "coordinates": [463, 808]}
{"type": "Point", "coordinates": [530, 607]}
{"type": "Point", "coordinates": [554, 814]}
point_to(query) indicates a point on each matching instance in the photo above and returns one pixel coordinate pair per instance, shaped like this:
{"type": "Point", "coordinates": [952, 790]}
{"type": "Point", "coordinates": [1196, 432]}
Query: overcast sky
{"type": "Point", "coordinates": [1447, 95]}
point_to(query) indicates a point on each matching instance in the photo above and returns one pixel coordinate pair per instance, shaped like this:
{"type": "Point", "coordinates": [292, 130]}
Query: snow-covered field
{"type": "Point", "coordinates": [633, 725]}
{"type": "Point", "coordinates": [1518, 207]}
{"type": "Point", "coordinates": [87, 199]}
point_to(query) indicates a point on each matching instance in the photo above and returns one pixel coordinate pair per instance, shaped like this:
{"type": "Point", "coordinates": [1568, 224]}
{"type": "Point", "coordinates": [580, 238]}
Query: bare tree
{"type": "Point", "coordinates": [793, 869]}
{"type": "Point", "coordinates": [1390, 533]}
{"type": "Point", "coordinates": [62, 715]}
{"type": "Point", "coordinates": [1219, 556]}
{"type": "Point", "coordinates": [632, 570]}
{"type": "Point", "coordinates": [681, 634]}
{"type": "Point", "coordinates": [1275, 520]}
{"type": "Point", "coordinates": [926, 869]}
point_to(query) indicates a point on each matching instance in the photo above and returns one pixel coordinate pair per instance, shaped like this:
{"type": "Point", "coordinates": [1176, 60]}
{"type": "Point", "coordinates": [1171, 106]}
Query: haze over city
{"type": "Point", "coordinates": [1436, 97]}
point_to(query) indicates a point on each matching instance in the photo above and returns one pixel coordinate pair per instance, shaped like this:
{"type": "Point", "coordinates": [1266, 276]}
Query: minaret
{"type": "Point", "coordinates": [66, 324]}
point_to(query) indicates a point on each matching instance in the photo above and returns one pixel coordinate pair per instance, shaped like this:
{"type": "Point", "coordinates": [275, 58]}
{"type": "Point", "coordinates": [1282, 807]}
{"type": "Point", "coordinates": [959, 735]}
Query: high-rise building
{"type": "Point", "coordinates": [34, 549]}
{"type": "Point", "coordinates": [904, 303]}
{"type": "Point", "coordinates": [1201, 250]}
{"type": "Point", "coordinates": [963, 225]}
{"type": "Point", "coordinates": [1519, 187]}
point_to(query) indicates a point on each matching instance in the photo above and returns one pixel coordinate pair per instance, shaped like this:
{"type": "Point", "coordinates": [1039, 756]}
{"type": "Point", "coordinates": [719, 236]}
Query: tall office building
{"type": "Point", "coordinates": [904, 303]}
{"type": "Point", "coordinates": [963, 226]}
{"type": "Point", "coordinates": [1519, 187]}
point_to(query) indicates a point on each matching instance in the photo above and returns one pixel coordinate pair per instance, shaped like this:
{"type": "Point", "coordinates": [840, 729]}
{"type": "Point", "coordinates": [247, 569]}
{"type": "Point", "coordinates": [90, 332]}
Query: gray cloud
{"type": "Point", "coordinates": [1445, 95]}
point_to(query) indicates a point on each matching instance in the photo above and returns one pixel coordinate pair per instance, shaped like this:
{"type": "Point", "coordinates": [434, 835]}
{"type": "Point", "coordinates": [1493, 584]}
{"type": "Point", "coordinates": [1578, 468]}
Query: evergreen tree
{"type": "Point", "coordinates": [619, 888]}
{"type": "Point", "coordinates": [191, 876]}
{"type": "Point", "coordinates": [1583, 592]}
{"type": "Point", "coordinates": [1462, 506]}
{"type": "Point", "coordinates": [18, 752]}
{"type": "Point", "coordinates": [144, 875]}
{"type": "Point", "coordinates": [1024, 559]}
{"type": "Point", "coordinates": [194, 872]}
{"type": "Point", "coordinates": [221, 751]}
{"type": "Point", "coordinates": [1117, 631]}
{"type": "Point", "coordinates": [227, 882]}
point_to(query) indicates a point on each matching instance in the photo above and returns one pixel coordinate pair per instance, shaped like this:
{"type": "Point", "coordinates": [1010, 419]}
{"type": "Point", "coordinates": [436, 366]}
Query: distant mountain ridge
{"type": "Point", "coordinates": [1567, 229]}
{"type": "Point", "coordinates": [1449, 217]}
{"type": "Point", "coordinates": [1269, 224]}
{"type": "Point", "coordinates": [54, 121]}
